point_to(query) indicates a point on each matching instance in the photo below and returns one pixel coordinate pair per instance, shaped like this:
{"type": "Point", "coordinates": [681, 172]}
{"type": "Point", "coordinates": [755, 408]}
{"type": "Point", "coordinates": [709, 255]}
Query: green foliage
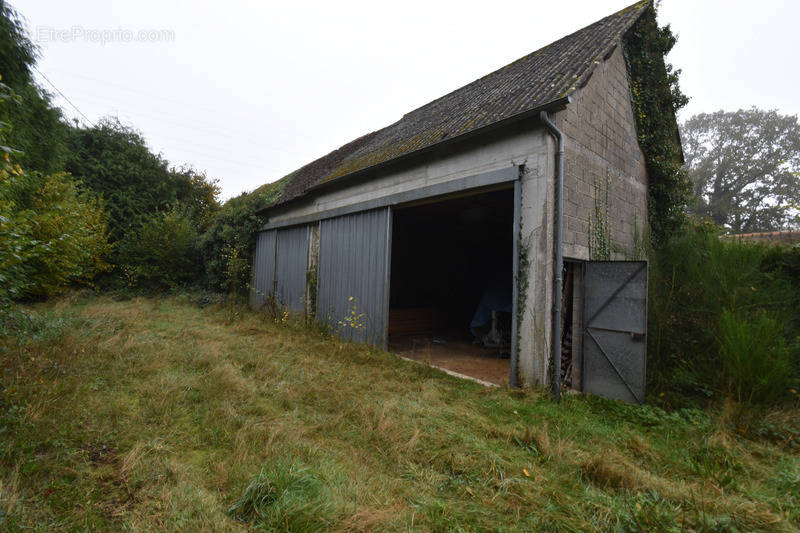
{"type": "Point", "coordinates": [755, 361]}
{"type": "Point", "coordinates": [114, 161]}
{"type": "Point", "coordinates": [161, 253]}
{"type": "Point", "coordinates": [745, 166]}
{"type": "Point", "coordinates": [189, 422]}
{"type": "Point", "coordinates": [782, 266]}
{"type": "Point", "coordinates": [649, 415]}
{"type": "Point", "coordinates": [784, 432]}
{"type": "Point", "coordinates": [523, 283]}
{"type": "Point", "coordinates": [109, 161]}
{"type": "Point", "coordinates": [656, 98]}
{"type": "Point", "coordinates": [708, 296]}
{"type": "Point", "coordinates": [600, 244]}
{"type": "Point", "coordinates": [17, 52]}
{"type": "Point", "coordinates": [227, 245]}
{"type": "Point", "coordinates": [51, 234]}
{"type": "Point", "coordinates": [28, 327]}
{"type": "Point", "coordinates": [787, 477]}
{"type": "Point", "coordinates": [649, 511]}
{"type": "Point", "coordinates": [196, 194]}
{"type": "Point", "coordinates": [39, 131]}
{"type": "Point", "coordinates": [286, 496]}
{"type": "Point", "coordinates": [148, 204]}
{"type": "Point", "coordinates": [312, 284]}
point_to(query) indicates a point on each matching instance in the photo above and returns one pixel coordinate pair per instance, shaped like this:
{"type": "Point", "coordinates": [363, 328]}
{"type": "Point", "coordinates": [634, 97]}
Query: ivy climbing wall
{"type": "Point", "coordinates": [605, 173]}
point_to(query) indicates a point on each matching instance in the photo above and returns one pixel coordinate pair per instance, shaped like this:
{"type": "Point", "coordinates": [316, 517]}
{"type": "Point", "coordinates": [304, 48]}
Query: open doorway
{"type": "Point", "coordinates": [452, 284]}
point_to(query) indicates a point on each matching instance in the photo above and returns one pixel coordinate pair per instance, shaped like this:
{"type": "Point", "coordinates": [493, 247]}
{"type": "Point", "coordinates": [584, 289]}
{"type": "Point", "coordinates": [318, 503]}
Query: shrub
{"type": "Point", "coordinates": [228, 244]}
{"type": "Point", "coordinates": [755, 360]}
{"type": "Point", "coordinates": [161, 253]}
{"type": "Point", "coordinates": [52, 235]}
{"type": "Point", "coordinates": [695, 279]}
{"type": "Point", "coordinates": [114, 161]}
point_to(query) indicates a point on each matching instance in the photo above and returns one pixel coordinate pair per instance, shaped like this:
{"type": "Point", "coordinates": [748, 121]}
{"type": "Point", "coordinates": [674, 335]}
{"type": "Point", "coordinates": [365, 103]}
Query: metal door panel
{"type": "Point", "coordinates": [616, 296]}
{"type": "Point", "coordinates": [615, 326]}
{"type": "Point", "coordinates": [354, 272]}
{"type": "Point", "coordinates": [263, 271]}
{"type": "Point", "coordinates": [291, 266]}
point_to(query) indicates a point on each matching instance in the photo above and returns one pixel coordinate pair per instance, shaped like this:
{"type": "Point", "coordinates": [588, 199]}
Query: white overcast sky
{"type": "Point", "coordinates": [249, 91]}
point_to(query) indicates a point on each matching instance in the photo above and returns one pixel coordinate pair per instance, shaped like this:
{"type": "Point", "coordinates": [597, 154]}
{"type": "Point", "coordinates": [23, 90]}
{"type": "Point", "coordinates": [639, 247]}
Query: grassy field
{"type": "Point", "coordinates": [164, 414]}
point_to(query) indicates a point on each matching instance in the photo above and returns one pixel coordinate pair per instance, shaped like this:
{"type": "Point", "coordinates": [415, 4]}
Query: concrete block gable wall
{"type": "Point", "coordinates": [601, 147]}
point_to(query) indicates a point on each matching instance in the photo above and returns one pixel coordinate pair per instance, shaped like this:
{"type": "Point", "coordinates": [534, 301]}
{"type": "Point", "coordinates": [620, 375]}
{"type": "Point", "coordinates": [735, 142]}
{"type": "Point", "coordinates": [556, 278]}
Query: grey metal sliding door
{"type": "Point", "coordinates": [354, 262]}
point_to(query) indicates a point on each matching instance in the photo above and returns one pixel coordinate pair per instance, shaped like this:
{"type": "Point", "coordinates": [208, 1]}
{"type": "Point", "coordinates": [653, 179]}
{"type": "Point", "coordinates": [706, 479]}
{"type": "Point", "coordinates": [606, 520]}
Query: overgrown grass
{"type": "Point", "coordinates": [162, 414]}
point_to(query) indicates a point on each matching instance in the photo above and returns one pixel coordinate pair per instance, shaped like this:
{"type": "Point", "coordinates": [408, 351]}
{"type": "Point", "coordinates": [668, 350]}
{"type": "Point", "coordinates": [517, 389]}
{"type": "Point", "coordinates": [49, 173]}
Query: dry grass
{"type": "Point", "coordinates": [615, 471]}
{"type": "Point", "coordinates": [155, 414]}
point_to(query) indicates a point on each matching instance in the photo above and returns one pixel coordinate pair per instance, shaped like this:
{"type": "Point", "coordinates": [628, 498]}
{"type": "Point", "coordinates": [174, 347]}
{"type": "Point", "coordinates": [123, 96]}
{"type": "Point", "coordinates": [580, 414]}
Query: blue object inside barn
{"type": "Point", "coordinates": [496, 298]}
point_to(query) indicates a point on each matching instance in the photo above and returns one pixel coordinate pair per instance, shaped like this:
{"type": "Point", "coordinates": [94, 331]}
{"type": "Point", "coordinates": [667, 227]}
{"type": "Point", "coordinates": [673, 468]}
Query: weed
{"type": "Point", "coordinates": [353, 319]}
{"type": "Point", "coordinates": [754, 357]}
{"type": "Point", "coordinates": [600, 243]}
{"type": "Point", "coordinates": [287, 496]}
{"type": "Point", "coordinates": [778, 426]}
{"type": "Point", "coordinates": [649, 511]}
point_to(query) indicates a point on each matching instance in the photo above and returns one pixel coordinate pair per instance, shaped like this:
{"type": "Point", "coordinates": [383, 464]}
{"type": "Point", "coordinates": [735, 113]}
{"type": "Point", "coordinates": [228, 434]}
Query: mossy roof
{"type": "Point", "coordinates": [532, 82]}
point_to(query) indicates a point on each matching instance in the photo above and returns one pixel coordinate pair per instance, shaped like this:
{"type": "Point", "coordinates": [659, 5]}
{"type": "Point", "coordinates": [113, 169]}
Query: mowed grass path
{"type": "Point", "coordinates": [157, 414]}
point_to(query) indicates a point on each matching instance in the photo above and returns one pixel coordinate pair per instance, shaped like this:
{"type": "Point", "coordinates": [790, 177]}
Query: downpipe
{"type": "Point", "coordinates": [558, 261]}
{"type": "Point", "coordinates": [513, 378]}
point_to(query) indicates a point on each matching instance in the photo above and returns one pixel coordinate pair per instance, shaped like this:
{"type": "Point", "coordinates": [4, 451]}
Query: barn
{"type": "Point", "coordinates": [496, 229]}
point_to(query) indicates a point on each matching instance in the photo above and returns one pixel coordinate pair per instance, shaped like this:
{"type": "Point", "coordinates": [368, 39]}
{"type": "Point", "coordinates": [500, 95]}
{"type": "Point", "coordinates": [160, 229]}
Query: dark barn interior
{"type": "Point", "coordinates": [452, 282]}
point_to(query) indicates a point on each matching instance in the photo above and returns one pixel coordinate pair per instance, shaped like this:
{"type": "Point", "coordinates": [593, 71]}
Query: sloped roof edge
{"type": "Point", "coordinates": [541, 80]}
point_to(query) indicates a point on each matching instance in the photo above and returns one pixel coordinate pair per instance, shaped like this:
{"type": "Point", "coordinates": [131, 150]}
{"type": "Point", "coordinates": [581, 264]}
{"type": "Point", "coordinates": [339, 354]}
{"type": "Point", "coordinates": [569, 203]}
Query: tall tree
{"type": "Point", "coordinates": [744, 166]}
{"type": "Point", "coordinates": [17, 51]}
{"type": "Point", "coordinates": [39, 130]}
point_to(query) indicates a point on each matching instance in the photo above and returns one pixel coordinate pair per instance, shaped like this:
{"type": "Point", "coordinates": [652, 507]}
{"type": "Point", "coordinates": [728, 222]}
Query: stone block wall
{"type": "Point", "coordinates": [603, 159]}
